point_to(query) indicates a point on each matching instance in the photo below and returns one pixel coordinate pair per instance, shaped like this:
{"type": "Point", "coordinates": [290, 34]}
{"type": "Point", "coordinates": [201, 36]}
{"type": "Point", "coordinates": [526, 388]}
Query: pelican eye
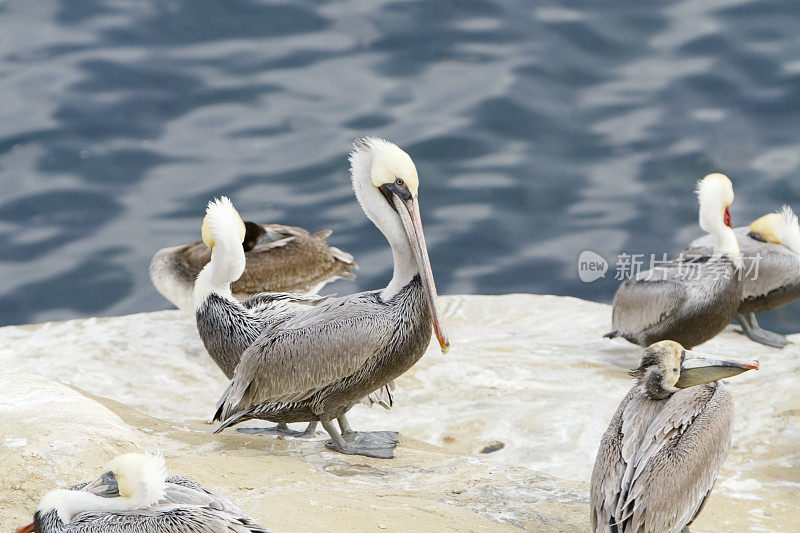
{"type": "Point", "coordinates": [399, 182]}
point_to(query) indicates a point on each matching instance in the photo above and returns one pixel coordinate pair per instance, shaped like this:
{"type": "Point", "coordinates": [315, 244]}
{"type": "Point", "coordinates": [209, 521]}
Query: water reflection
{"type": "Point", "coordinates": [540, 130]}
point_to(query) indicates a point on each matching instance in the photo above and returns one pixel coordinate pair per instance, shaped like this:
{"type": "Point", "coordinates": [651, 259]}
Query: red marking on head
{"type": "Point", "coordinates": [727, 218]}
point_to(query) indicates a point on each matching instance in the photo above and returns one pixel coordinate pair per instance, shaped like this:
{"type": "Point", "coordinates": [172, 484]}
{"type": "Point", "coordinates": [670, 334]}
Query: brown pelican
{"type": "Point", "coordinates": [771, 269]}
{"type": "Point", "coordinates": [660, 456]}
{"type": "Point", "coordinates": [279, 258]}
{"type": "Point", "coordinates": [317, 363]}
{"type": "Point", "coordinates": [686, 302]}
{"type": "Point", "coordinates": [228, 326]}
{"type": "Point", "coordinates": [134, 495]}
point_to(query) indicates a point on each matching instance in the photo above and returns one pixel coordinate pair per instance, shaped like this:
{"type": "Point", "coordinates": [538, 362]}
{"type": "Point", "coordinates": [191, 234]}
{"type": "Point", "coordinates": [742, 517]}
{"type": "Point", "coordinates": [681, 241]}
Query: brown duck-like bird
{"type": "Point", "coordinates": [660, 456]}
{"type": "Point", "coordinates": [279, 259]}
{"type": "Point", "coordinates": [771, 269]}
{"type": "Point", "coordinates": [686, 302]}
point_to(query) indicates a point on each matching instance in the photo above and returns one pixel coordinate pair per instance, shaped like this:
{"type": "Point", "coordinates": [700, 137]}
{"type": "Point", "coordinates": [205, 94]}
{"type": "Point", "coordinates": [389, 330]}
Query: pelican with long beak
{"type": "Point", "coordinates": [319, 362]}
{"type": "Point", "coordinates": [689, 302]}
{"type": "Point", "coordinates": [278, 259]}
{"type": "Point", "coordinates": [660, 456]}
{"type": "Point", "coordinates": [134, 494]}
{"type": "Point", "coordinates": [771, 270]}
{"type": "Point", "coordinates": [228, 326]}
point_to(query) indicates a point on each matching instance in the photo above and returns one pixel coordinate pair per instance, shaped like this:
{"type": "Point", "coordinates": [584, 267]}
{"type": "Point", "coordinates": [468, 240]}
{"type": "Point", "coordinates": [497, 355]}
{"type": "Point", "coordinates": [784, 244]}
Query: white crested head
{"type": "Point", "coordinates": [382, 162]}
{"type": "Point", "coordinates": [221, 220]}
{"type": "Point", "coordinates": [140, 482]}
{"type": "Point", "coordinates": [779, 228]}
{"type": "Point", "coordinates": [223, 231]}
{"type": "Point", "coordinates": [715, 195]}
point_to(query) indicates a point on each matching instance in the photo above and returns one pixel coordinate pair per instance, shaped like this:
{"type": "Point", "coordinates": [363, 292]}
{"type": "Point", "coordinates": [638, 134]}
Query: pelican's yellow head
{"type": "Point", "coordinates": [768, 228]}
{"type": "Point", "coordinates": [220, 215]}
{"type": "Point", "coordinates": [390, 165]}
{"type": "Point", "coordinates": [128, 470]}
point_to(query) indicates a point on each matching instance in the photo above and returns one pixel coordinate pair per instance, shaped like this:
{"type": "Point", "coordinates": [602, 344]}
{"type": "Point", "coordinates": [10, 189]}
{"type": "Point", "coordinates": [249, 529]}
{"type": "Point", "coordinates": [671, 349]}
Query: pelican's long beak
{"type": "Point", "coordinates": [412, 224]}
{"type": "Point", "coordinates": [26, 529]}
{"type": "Point", "coordinates": [697, 369]}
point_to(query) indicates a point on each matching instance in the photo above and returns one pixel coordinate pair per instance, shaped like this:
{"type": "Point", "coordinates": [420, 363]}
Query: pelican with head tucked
{"type": "Point", "coordinates": [228, 326]}
{"type": "Point", "coordinates": [686, 302]}
{"type": "Point", "coordinates": [278, 258]}
{"type": "Point", "coordinates": [134, 495]}
{"type": "Point", "coordinates": [660, 456]}
{"type": "Point", "coordinates": [771, 269]}
{"type": "Point", "coordinates": [318, 362]}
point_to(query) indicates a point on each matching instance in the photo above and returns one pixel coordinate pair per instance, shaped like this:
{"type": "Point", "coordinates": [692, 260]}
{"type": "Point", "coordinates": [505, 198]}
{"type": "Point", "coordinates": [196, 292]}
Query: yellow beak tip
{"type": "Point", "coordinates": [445, 348]}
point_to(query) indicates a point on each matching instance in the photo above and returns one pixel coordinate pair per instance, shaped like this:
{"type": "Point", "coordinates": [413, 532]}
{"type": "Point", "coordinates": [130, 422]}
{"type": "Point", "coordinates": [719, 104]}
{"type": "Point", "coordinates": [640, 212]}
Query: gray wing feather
{"type": "Point", "coordinates": [668, 453]}
{"type": "Point", "coordinates": [640, 303]}
{"type": "Point", "coordinates": [294, 358]}
{"type": "Point", "coordinates": [165, 519]}
{"type": "Point", "coordinates": [766, 266]}
{"type": "Point", "coordinates": [770, 267]}
{"type": "Point", "coordinates": [187, 507]}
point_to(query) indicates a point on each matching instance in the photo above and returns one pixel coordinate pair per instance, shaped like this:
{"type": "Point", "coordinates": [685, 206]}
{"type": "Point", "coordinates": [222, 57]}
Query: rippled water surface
{"type": "Point", "coordinates": [540, 129]}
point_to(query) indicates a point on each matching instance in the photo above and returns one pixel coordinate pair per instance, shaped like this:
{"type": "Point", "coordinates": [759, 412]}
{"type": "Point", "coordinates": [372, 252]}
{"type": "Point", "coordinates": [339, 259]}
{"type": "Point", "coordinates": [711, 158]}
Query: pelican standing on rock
{"type": "Point", "coordinates": [771, 265]}
{"type": "Point", "coordinates": [686, 302]}
{"type": "Point", "coordinates": [319, 362]}
{"type": "Point", "coordinates": [278, 258]}
{"type": "Point", "coordinates": [134, 495]}
{"type": "Point", "coordinates": [228, 326]}
{"type": "Point", "coordinates": [660, 456]}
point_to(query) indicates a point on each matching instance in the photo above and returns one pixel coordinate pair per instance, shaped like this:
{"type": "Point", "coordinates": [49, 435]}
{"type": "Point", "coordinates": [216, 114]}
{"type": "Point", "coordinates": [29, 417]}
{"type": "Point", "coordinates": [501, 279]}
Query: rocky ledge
{"type": "Point", "coordinates": [500, 434]}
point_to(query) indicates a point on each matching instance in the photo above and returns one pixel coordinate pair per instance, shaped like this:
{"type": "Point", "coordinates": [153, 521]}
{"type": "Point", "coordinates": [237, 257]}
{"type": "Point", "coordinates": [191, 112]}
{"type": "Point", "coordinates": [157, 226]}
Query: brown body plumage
{"type": "Point", "coordinates": [278, 259]}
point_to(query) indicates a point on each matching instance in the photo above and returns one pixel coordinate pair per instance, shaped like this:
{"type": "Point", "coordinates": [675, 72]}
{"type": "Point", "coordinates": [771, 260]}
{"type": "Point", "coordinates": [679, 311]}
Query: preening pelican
{"type": "Point", "coordinates": [228, 326]}
{"type": "Point", "coordinates": [660, 456]}
{"type": "Point", "coordinates": [134, 495]}
{"type": "Point", "coordinates": [278, 258]}
{"type": "Point", "coordinates": [686, 302]}
{"type": "Point", "coordinates": [771, 269]}
{"type": "Point", "coordinates": [317, 363]}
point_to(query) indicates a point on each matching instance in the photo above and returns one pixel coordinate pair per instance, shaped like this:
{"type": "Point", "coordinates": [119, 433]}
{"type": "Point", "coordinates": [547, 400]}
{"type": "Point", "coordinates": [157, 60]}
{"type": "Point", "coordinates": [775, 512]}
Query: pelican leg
{"type": "Point", "coordinates": [380, 444]}
{"type": "Point", "coordinates": [755, 333]}
{"type": "Point", "coordinates": [282, 429]}
{"type": "Point", "coordinates": [344, 425]}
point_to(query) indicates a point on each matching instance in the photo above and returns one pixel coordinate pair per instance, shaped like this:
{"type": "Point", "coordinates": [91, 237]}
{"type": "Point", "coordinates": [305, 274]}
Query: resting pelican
{"type": "Point", "coordinates": [134, 495]}
{"type": "Point", "coordinates": [771, 265]}
{"type": "Point", "coordinates": [279, 258]}
{"type": "Point", "coordinates": [660, 456]}
{"type": "Point", "coordinates": [687, 302]}
{"type": "Point", "coordinates": [228, 326]}
{"type": "Point", "coordinates": [317, 363]}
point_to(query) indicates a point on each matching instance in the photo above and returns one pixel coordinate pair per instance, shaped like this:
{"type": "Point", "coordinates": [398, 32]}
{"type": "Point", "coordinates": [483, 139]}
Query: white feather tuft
{"type": "Point", "coordinates": [789, 232]}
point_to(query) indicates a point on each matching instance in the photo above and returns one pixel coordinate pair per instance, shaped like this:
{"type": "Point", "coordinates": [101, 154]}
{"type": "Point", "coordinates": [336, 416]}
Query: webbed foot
{"type": "Point", "coordinates": [380, 444]}
{"type": "Point", "coordinates": [755, 333]}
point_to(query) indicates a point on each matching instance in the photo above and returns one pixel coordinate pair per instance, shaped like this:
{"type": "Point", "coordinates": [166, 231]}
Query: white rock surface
{"type": "Point", "coordinates": [529, 373]}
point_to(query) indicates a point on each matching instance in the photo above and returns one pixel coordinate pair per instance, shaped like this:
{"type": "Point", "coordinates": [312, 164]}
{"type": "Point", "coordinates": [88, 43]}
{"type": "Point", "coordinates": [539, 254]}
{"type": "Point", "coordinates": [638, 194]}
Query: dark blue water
{"type": "Point", "coordinates": [540, 129]}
